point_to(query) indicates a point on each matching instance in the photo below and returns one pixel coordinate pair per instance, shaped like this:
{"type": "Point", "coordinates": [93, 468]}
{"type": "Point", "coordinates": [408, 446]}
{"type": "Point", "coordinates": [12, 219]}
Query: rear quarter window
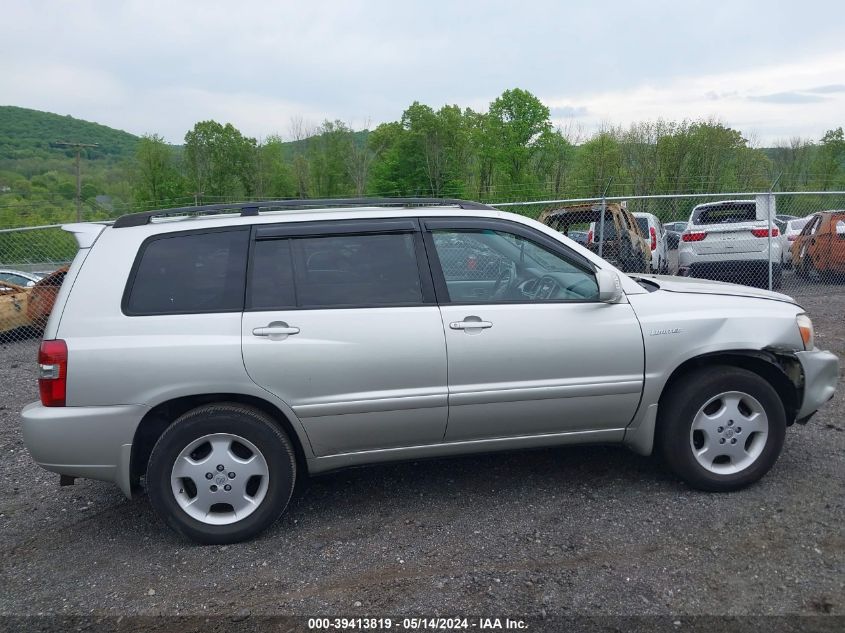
{"type": "Point", "coordinates": [189, 273]}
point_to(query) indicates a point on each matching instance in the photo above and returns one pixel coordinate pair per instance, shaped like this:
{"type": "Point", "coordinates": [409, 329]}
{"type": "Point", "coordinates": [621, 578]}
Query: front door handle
{"type": "Point", "coordinates": [276, 331]}
{"type": "Point", "coordinates": [470, 323]}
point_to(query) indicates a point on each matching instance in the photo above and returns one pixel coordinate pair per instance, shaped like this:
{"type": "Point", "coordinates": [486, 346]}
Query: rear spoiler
{"type": "Point", "coordinates": [86, 233]}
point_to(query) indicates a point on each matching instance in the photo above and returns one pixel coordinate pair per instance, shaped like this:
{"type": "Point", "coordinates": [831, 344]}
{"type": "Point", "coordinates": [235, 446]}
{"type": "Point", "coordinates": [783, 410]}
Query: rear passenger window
{"type": "Point", "coordinates": [356, 270]}
{"type": "Point", "coordinates": [197, 272]}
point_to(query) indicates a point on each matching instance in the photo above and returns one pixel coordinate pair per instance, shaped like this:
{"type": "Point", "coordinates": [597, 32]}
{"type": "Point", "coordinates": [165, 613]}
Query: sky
{"type": "Point", "coordinates": [773, 69]}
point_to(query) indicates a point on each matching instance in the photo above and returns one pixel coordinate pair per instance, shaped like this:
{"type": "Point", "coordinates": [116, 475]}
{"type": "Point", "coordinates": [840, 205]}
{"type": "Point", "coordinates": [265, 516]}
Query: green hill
{"type": "Point", "coordinates": [26, 133]}
{"type": "Point", "coordinates": [38, 179]}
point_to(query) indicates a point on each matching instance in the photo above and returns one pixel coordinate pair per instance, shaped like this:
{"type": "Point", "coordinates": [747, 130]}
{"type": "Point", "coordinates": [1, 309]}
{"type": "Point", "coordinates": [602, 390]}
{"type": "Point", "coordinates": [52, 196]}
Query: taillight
{"type": "Point", "coordinates": [653, 237]}
{"type": "Point", "coordinates": [765, 232]}
{"type": "Point", "coordinates": [791, 238]}
{"type": "Point", "coordinates": [696, 236]}
{"type": "Point", "coordinates": [589, 237]}
{"type": "Point", "coordinates": [52, 373]}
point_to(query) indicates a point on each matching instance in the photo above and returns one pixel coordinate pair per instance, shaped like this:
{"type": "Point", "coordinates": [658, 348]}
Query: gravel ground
{"type": "Point", "coordinates": [595, 530]}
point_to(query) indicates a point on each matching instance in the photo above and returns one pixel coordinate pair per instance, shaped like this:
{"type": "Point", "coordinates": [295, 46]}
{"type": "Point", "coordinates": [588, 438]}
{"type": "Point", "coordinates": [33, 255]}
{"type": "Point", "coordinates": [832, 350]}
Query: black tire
{"type": "Point", "coordinates": [777, 277]}
{"type": "Point", "coordinates": [762, 280]}
{"type": "Point", "coordinates": [247, 422]}
{"type": "Point", "coordinates": [677, 412]}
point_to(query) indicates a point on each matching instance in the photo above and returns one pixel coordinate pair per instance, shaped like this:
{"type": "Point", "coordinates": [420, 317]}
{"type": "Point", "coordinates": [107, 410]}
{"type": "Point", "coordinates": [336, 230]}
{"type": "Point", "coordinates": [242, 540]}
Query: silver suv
{"type": "Point", "coordinates": [220, 353]}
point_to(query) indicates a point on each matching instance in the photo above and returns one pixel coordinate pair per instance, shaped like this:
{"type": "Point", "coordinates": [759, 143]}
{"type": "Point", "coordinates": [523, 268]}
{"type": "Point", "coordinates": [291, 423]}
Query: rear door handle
{"type": "Point", "coordinates": [467, 324]}
{"type": "Point", "coordinates": [277, 330]}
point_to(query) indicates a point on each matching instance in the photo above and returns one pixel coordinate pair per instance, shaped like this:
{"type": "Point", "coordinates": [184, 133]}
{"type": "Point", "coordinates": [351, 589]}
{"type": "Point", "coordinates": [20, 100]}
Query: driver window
{"type": "Point", "coordinates": [485, 266]}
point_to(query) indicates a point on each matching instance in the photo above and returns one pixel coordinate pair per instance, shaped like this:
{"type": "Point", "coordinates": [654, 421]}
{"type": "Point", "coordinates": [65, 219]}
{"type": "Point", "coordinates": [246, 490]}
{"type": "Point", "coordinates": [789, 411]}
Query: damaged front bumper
{"type": "Point", "coordinates": [821, 375]}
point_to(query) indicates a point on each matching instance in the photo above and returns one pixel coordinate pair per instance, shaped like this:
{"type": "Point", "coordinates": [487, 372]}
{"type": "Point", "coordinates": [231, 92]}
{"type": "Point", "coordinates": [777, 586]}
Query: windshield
{"type": "Point", "coordinates": [609, 230]}
{"type": "Point", "coordinates": [643, 224]}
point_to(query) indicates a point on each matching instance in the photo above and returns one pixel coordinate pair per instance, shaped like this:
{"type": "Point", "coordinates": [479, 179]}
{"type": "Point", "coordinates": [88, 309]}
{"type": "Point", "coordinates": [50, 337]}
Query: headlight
{"type": "Point", "coordinates": [805, 326]}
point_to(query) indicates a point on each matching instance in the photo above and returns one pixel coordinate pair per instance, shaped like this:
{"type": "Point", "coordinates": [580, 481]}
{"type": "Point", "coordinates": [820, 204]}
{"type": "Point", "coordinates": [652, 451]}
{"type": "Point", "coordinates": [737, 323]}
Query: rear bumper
{"type": "Point", "coordinates": [90, 442]}
{"type": "Point", "coordinates": [821, 375]}
{"type": "Point", "coordinates": [728, 270]}
{"type": "Point", "coordinates": [688, 257]}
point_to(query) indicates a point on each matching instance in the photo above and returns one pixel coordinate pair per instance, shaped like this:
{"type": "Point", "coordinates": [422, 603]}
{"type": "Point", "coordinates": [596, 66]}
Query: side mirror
{"type": "Point", "coordinates": [610, 288]}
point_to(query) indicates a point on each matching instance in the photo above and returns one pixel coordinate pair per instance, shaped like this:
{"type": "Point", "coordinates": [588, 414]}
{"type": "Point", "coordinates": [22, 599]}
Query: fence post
{"type": "Point", "coordinates": [770, 214]}
{"type": "Point", "coordinates": [601, 218]}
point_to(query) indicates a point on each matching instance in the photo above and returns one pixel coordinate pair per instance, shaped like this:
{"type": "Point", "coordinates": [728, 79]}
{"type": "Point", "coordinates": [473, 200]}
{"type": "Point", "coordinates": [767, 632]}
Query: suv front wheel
{"type": "Point", "coordinates": [721, 428]}
{"type": "Point", "coordinates": [221, 473]}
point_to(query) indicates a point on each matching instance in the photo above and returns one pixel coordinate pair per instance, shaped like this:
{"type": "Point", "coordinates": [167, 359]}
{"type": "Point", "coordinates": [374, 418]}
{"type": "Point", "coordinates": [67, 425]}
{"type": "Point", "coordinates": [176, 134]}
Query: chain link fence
{"type": "Point", "coordinates": [791, 242]}
{"type": "Point", "coordinates": [798, 249]}
{"type": "Point", "coordinates": [33, 262]}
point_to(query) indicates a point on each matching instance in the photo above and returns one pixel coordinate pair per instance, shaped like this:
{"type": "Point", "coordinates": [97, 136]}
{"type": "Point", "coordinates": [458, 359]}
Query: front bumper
{"type": "Point", "coordinates": [821, 375]}
{"type": "Point", "coordinates": [90, 442]}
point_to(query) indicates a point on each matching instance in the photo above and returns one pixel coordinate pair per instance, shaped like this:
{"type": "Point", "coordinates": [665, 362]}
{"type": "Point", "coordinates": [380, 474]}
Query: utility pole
{"type": "Point", "coordinates": [78, 147]}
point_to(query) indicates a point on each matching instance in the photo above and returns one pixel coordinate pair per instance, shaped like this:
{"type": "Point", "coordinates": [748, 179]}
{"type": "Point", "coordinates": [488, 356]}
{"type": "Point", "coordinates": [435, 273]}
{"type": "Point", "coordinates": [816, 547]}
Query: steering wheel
{"type": "Point", "coordinates": [505, 283]}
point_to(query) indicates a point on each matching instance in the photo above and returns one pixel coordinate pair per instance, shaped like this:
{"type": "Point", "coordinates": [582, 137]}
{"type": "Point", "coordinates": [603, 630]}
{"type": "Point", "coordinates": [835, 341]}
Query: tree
{"type": "Point", "coordinates": [791, 161]}
{"type": "Point", "coordinates": [156, 180]}
{"type": "Point", "coordinates": [517, 119]}
{"type": "Point", "coordinates": [220, 160]}
{"type": "Point", "coordinates": [485, 151]}
{"type": "Point", "coordinates": [640, 150]}
{"type": "Point", "coordinates": [328, 152]}
{"type": "Point", "coordinates": [829, 164]}
{"type": "Point", "coordinates": [555, 161]}
{"type": "Point", "coordinates": [599, 160]}
{"type": "Point", "coordinates": [300, 132]}
{"type": "Point", "coordinates": [435, 144]}
{"type": "Point", "coordinates": [673, 155]}
{"type": "Point", "coordinates": [386, 174]}
{"type": "Point", "coordinates": [360, 156]}
{"type": "Point", "coordinates": [273, 175]}
{"type": "Point", "coordinates": [712, 150]}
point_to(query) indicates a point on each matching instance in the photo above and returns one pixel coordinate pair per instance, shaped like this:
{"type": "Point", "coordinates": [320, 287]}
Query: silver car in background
{"type": "Point", "coordinates": [217, 354]}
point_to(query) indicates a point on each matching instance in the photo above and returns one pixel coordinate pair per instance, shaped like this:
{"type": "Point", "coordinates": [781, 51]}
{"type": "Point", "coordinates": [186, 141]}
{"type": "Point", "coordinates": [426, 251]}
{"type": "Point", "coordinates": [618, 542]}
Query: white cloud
{"type": "Point", "coordinates": [794, 99]}
{"type": "Point", "coordinates": [159, 65]}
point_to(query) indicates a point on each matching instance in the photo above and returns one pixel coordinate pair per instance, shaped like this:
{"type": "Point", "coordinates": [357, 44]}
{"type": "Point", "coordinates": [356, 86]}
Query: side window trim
{"type": "Point", "coordinates": [323, 228]}
{"type": "Point", "coordinates": [328, 228]}
{"type": "Point", "coordinates": [479, 224]}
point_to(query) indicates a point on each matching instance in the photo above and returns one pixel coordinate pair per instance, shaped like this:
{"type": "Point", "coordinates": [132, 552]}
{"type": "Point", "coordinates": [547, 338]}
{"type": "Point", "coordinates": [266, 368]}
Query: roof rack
{"type": "Point", "coordinates": [253, 208]}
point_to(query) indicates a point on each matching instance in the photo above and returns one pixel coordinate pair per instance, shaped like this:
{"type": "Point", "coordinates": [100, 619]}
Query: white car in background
{"type": "Point", "coordinates": [794, 228]}
{"type": "Point", "coordinates": [725, 241]}
{"type": "Point", "coordinates": [652, 229]}
{"type": "Point", "coordinates": [20, 278]}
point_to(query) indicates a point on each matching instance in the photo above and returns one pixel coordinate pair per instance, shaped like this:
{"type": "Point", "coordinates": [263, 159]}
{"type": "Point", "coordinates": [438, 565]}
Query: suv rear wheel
{"type": "Point", "coordinates": [221, 473]}
{"type": "Point", "coordinates": [721, 428]}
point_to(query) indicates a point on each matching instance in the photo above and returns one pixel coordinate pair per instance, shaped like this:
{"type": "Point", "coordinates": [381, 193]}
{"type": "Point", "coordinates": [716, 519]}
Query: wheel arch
{"type": "Point", "coordinates": [164, 414]}
{"type": "Point", "coordinates": [781, 369]}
